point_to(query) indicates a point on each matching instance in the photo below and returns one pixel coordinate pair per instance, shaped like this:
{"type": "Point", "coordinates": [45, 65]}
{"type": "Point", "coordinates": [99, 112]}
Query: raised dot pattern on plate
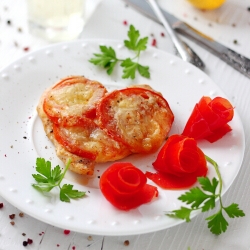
{"type": "Point", "coordinates": [69, 218]}
{"type": "Point", "coordinates": [17, 67]}
{"type": "Point", "coordinates": [13, 190]}
{"type": "Point", "coordinates": [91, 222]}
{"type": "Point", "coordinates": [31, 59]}
{"type": "Point", "coordinates": [5, 76]}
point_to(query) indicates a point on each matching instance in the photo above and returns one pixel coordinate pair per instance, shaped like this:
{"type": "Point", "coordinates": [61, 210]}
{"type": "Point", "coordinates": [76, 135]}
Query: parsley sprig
{"type": "Point", "coordinates": [204, 198]}
{"type": "Point", "coordinates": [108, 59]}
{"type": "Point", "coordinates": [48, 178]}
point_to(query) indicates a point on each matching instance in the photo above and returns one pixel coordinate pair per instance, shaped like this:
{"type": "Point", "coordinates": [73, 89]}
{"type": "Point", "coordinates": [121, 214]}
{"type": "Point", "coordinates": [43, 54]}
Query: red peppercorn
{"type": "Point", "coordinates": [12, 216]}
{"type": "Point", "coordinates": [30, 241]}
{"type": "Point", "coordinates": [153, 42]}
{"type": "Point", "coordinates": [26, 48]}
{"type": "Point", "coordinates": [1, 205]}
{"type": "Point", "coordinates": [66, 232]}
{"type": "Point", "coordinates": [125, 22]}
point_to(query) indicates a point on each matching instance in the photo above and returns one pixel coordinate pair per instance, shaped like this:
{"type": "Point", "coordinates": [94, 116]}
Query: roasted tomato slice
{"type": "Point", "coordinates": [138, 117]}
{"type": "Point", "coordinates": [82, 137]}
{"type": "Point", "coordinates": [73, 96]}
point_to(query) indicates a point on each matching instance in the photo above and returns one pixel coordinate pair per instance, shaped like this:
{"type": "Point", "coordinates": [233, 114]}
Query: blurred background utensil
{"type": "Point", "coordinates": [185, 52]}
{"type": "Point", "coordinates": [236, 60]}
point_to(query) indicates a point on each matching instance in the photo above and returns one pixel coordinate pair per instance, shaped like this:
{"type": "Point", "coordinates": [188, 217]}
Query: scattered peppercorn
{"type": "Point", "coordinates": [12, 223]}
{"type": "Point", "coordinates": [90, 237]}
{"type": "Point", "coordinates": [26, 48]}
{"type": "Point", "coordinates": [8, 22]}
{"type": "Point", "coordinates": [235, 41]}
{"type": "Point", "coordinates": [21, 214]}
{"type": "Point", "coordinates": [1, 205]}
{"type": "Point", "coordinates": [12, 216]}
{"type": "Point", "coordinates": [248, 8]}
{"type": "Point", "coordinates": [30, 241]}
{"type": "Point", "coordinates": [126, 242]}
{"type": "Point", "coordinates": [66, 232]}
{"type": "Point", "coordinates": [23, 234]}
{"type": "Point", "coordinates": [25, 243]}
{"type": "Point", "coordinates": [125, 22]}
{"type": "Point", "coordinates": [162, 34]}
{"type": "Point", "coordinates": [153, 42]}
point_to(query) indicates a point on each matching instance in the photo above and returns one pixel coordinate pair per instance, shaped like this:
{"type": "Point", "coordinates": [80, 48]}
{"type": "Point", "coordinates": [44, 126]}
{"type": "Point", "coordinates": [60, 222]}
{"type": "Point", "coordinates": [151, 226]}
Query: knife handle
{"type": "Point", "coordinates": [237, 61]}
{"type": "Point", "coordinates": [234, 59]}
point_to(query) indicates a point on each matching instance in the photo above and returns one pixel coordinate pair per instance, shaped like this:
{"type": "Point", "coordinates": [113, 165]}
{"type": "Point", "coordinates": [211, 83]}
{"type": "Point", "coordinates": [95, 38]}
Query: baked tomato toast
{"type": "Point", "coordinates": [89, 125]}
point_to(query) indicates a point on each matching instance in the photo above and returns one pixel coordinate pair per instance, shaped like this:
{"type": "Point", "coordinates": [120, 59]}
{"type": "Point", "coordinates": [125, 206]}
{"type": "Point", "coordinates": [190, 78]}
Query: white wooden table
{"type": "Point", "coordinates": [15, 41]}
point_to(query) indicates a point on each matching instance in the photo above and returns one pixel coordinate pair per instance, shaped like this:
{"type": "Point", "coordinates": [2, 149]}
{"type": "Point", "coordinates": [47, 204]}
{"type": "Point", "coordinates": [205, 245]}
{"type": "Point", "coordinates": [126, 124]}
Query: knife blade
{"type": "Point", "coordinates": [232, 58]}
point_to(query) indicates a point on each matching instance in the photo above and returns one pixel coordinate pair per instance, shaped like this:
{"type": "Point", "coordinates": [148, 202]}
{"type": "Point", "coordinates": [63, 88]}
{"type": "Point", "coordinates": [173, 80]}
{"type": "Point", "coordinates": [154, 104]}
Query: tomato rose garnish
{"type": "Point", "coordinates": [209, 119]}
{"type": "Point", "coordinates": [73, 97]}
{"type": "Point", "coordinates": [179, 162]}
{"type": "Point", "coordinates": [125, 187]}
{"type": "Point", "coordinates": [138, 117]}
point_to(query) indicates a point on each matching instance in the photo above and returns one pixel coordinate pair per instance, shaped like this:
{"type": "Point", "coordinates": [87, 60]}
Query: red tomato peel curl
{"type": "Point", "coordinates": [179, 163]}
{"type": "Point", "coordinates": [209, 119]}
{"type": "Point", "coordinates": [125, 187]}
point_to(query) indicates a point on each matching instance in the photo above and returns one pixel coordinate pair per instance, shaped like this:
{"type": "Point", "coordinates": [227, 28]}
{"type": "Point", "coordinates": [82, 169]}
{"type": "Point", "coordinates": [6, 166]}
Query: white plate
{"type": "Point", "coordinates": [23, 138]}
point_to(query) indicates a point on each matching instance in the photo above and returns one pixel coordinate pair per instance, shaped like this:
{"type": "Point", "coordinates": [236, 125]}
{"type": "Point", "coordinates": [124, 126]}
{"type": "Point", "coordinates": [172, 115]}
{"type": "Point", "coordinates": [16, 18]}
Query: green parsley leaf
{"type": "Point", "coordinates": [208, 204]}
{"type": "Point", "coordinates": [67, 192]}
{"type": "Point", "coordinates": [129, 68]}
{"type": "Point", "coordinates": [144, 71]}
{"type": "Point", "coordinates": [199, 199]}
{"type": "Point", "coordinates": [133, 43]}
{"type": "Point", "coordinates": [182, 213]}
{"type": "Point", "coordinates": [234, 211]}
{"type": "Point", "coordinates": [43, 167]}
{"type": "Point", "coordinates": [133, 35]}
{"type": "Point", "coordinates": [217, 223]}
{"type": "Point", "coordinates": [207, 185]}
{"type": "Point", "coordinates": [194, 196]}
{"type": "Point", "coordinates": [49, 178]}
{"type": "Point", "coordinates": [56, 173]}
{"type": "Point", "coordinates": [108, 59]}
{"type": "Point", "coordinates": [44, 187]}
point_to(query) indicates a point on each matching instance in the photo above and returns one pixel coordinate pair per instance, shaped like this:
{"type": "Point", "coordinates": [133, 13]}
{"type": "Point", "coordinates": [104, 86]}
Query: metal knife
{"type": "Point", "coordinates": [234, 59]}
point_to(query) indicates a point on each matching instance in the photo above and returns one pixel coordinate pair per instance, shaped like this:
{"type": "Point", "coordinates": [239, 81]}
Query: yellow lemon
{"type": "Point", "coordinates": [206, 4]}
